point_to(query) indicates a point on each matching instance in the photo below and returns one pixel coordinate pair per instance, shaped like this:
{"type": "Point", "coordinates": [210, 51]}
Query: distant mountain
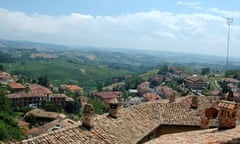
{"type": "Point", "coordinates": [133, 54]}
{"type": "Point", "coordinates": [31, 45]}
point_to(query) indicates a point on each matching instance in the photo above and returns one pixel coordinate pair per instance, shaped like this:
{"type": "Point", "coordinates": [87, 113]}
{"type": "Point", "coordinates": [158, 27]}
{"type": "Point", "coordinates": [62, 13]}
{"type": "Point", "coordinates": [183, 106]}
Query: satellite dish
{"type": "Point", "coordinates": [211, 113]}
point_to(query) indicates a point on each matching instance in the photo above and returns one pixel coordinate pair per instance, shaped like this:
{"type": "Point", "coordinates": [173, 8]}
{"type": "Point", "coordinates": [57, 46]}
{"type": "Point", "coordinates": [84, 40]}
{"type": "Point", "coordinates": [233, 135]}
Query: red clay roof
{"type": "Point", "coordinates": [109, 95]}
{"type": "Point", "coordinates": [208, 136]}
{"type": "Point", "coordinates": [35, 90]}
{"type": "Point", "coordinates": [16, 86]}
{"type": "Point", "coordinates": [39, 88]}
{"type": "Point", "coordinates": [192, 79]}
{"type": "Point", "coordinates": [58, 123]}
{"type": "Point", "coordinates": [132, 125]}
{"type": "Point", "coordinates": [45, 114]}
{"type": "Point", "coordinates": [59, 96]}
{"type": "Point", "coordinates": [151, 96]}
{"type": "Point", "coordinates": [168, 91]}
{"type": "Point", "coordinates": [4, 75]}
{"type": "Point", "coordinates": [231, 80]}
{"type": "Point", "coordinates": [74, 88]}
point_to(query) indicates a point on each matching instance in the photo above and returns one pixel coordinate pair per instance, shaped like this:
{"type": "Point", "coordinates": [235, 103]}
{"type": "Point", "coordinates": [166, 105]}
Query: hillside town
{"type": "Point", "coordinates": [156, 111]}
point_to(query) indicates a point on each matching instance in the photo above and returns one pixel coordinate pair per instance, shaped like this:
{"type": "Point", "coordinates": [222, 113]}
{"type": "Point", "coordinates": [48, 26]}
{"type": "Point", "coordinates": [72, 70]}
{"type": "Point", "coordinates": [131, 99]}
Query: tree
{"type": "Point", "coordinates": [154, 83]}
{"type": "Point", "coordinates": [5, 104]}
{"type": "Point", "coordinates": [133, 82]}
{"type": "Point", "coordinates": [8, 126]}
{"type": "Point", "coordinates": [44, 81]}
{"type": "Point", "coordinates": [49, 106]}
{"type": "Point", "coordinates": [99, 86]}
{"type": "Point", "coordinates": [76, 106]}
{"type": "Point", "coordinates": [163, 69]}
{"type": "Point", "coordinates": [31, 119]}
{"type": "Point", "coordinates": [224, 86]}
{"type": "Point", "coordinates": [1, 68]}
{"type": "Point", "coordinates": [205, 71]}
{"type": "Point", "coordinates": [69, 107]}
{"type": "Point", "coordinates": [99, 107]}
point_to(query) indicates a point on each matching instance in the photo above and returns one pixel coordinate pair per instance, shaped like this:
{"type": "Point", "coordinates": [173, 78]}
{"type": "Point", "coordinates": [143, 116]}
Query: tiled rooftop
{"type": "Point", "coordinates": [231, 80]}
{"type": "Point", "coordinates": [151, 96]}
{"type": "Point", "coordinates": [34, 90]}
{"type": "Point", "coordinates": [192, 79]}
{"type": "Point", "coordinates": [168, 91]}
{"type": "Point", "coordinates": [132, 124]}
{"type": "Point", "coordinates": [4, 75]}
{"type": "Point", "coordinates": [110, 94]}
{"type": "Point", "coordinates": [74, 88]}
{"type": "Point", "coordinates": [16, 86]}
{"type": "Point", "coordinates": [45, 114]}
{"type": "Point", "coordinates": [180, 113]}
{"type": "Point", "coordinates": [57, 124]}
{"type": "Point", "coordinates": [199, 137]}
{"type": "Point", "coordinates": [59, 96]}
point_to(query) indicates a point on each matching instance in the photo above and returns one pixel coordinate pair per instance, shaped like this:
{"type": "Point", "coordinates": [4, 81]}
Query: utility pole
{"type": "Point", "coordinates": [229, 22]}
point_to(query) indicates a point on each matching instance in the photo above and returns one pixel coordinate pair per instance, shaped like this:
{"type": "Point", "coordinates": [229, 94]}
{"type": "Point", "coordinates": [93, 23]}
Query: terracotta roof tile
{"type": "Point", "coordinates": [109, 95]}
{"type": "Point", "coordinates": [132, 124]}
{"type": "Point", "coordinates": [231, 80]}
{"type": "Point", "coordinates": [50, 126]}
{"type": "Point", "coordinates": [151, 96]}
{"type": "Point", "coordinates": [168, 91]}
{"type": "Point", "coordinates": [4, 75]}
{"type": "Point", "coordinates": [180, 113]}
{"type": "Point", "coordinates": [74, 88]}
{"type": "Point", "coordinates": [192, 78]}
{"type": "Point", "coordinates": [199, 137]}
{"type": "Point", "coordinates": [34, 90]}
{"type": "Point", "coordinates": [46, 114]}
{"type": "Point", "coordinates": [59, 96]}
{"type": "Point", "coordinates": [16, 86]}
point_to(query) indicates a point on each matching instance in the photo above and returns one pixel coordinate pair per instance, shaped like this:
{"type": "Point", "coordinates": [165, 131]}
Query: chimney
{"type": "Point", "coordinates": [172, 98]}
{"type": "Point", "coordinates": [113, 108]}
{"type": "Point", "coordinates": [204, 123]}
{"type": "Point", "coordinates": [227, 114]}
{"type": "Point", "coordinates": [194, 103]}
{"type": "Point", "coordinates": [88, 116]}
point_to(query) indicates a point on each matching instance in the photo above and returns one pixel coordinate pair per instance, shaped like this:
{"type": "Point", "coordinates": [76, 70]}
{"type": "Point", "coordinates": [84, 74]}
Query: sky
{"type": "Point", "coordinates": [190, 26]}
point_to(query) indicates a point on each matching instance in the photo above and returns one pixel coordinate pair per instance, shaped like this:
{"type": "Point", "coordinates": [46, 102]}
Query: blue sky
{"type": "Point", "coordinates": [173, 25]}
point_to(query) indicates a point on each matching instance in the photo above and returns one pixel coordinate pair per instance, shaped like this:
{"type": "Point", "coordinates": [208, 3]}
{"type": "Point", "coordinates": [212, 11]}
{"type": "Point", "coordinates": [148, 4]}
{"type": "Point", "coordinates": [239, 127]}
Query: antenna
{"type": "Point", "coordinates": [229, 22]}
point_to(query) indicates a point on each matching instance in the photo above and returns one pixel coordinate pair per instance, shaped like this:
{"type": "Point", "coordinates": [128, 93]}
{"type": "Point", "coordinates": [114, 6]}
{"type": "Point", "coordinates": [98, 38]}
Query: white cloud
{"type": "Point", "coordinates": [149, 30]}
{"type": "Point", "coordinates": [189, 3]}
{"type": "Point", "coordinates": [193, 5]}
{"type": "Point", "coordinates": [232, 14]}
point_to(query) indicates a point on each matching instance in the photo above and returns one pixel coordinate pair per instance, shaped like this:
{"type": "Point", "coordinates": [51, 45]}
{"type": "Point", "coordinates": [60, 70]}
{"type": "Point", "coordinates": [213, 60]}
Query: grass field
{"type": "Point", "coordinates": [149, 74]}
{"type": "Point", "coordinates": [60, 71]}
